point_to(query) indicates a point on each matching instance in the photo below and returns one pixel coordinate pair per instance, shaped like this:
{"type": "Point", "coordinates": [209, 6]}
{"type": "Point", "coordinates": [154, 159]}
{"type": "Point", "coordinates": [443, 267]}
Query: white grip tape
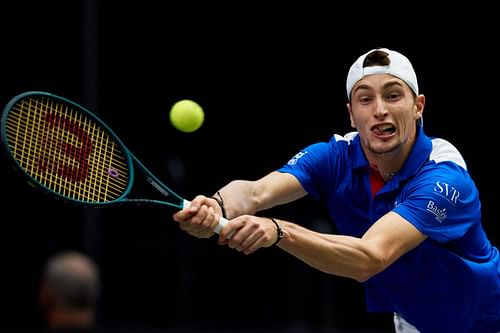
{"type": "Point", "coordinates": [218, 227]}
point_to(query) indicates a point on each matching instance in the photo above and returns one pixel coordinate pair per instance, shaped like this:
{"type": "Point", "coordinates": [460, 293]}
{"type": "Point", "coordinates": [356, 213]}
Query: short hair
{"type": "Point", "coordinates": [73, 279]}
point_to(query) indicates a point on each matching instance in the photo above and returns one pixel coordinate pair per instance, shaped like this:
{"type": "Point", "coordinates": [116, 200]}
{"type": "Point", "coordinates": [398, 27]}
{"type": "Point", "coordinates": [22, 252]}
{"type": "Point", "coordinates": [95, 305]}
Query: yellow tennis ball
{"type": "Point", "coordinates": [187, 115]}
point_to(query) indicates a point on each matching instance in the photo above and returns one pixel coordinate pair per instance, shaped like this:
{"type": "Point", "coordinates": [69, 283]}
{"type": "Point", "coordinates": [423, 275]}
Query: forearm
{"type": "Point", "coordinates": [238, 198]}
{"type": "Point", "coordinates": [333, 254]}
{"type": "Point", "coordinates": [248, 197]}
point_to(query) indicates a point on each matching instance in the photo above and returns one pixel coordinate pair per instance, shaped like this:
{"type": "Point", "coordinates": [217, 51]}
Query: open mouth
{"type": "Point", "coordinates": [385, 129]}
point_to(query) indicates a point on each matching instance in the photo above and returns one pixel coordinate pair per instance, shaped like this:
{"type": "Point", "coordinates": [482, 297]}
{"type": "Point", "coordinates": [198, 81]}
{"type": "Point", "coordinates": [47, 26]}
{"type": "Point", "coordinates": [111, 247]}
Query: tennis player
{"type": "Point", "coordinates": [406, 209]}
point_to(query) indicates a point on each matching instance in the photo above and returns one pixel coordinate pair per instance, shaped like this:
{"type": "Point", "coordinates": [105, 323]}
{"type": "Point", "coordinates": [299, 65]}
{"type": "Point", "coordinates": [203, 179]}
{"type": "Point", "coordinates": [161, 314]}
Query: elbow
{"type": "Point", "coordinates": [369, 269]}
{"type": "Point", "coordinates": [363, 276]}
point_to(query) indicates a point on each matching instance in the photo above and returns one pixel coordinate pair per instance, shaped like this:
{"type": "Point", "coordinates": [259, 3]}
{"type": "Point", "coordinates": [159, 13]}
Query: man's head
{"type": "Point", "coordinates": [384, 106]}
{"type": "Point", "coordinates": [382, 61]}
{"type": "Point", "coordinates": [69, 289]}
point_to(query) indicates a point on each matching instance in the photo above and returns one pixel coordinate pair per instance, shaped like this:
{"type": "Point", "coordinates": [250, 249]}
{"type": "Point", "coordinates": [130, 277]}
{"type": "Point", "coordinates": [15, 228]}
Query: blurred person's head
{"type": "Point", "coordinates": [69, 290]}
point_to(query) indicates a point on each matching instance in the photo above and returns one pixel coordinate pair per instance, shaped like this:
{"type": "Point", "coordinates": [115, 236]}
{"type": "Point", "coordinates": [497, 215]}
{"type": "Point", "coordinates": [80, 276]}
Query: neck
{"type": "Point", "coordinates": [389, 163]}
{"type": "Point", "coordinates": [386, 175]}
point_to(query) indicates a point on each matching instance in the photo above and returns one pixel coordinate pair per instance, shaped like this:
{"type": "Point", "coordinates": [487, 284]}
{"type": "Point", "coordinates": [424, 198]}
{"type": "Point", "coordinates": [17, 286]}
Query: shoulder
{"type": "Point", "coordinates": [446, 165]}
{"type": "Point", "coordinates": [444, 180]}
{"type": "Point", "coordinates": [444, 151]}
{"type": "Point", "coordinates": [318, 151]}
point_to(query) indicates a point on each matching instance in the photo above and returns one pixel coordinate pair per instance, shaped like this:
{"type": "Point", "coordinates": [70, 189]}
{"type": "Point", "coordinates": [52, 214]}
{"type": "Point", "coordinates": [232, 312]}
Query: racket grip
{"type": "Point", "coordinates": [222, 221]}
{"type": "Point", "coordinates": [220, 225]}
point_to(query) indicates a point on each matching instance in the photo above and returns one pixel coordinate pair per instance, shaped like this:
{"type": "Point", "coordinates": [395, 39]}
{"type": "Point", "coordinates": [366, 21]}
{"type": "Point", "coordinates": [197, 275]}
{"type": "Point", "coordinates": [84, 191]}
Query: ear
{"type": "Point", "coordinates": [349, 109]}
{"type": "Point", "coordinates": [419, 106]}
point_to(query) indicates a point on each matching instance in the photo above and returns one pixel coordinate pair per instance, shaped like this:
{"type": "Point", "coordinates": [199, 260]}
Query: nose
{"type": "Point", "coordinates": [380, 109]}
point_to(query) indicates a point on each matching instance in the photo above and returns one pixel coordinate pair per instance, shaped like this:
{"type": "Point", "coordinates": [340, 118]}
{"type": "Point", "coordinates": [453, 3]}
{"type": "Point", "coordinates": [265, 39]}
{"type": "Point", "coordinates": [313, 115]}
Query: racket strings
{"type": "Point", "coordinates": [66, 151]}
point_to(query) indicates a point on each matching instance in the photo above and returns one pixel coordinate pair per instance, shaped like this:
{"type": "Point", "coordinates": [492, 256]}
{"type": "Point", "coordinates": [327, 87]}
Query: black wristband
{"type": "Point", "coordinates": [279, 232]}
{"type": "Point", "coordinates": [220, 201]}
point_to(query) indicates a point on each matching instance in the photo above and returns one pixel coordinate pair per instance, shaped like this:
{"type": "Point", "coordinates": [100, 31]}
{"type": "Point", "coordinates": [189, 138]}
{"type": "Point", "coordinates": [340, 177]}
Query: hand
{"type": "Point", "coordinates": [200, 218]}
{"type": "Point", "coordinates": [248, 233]}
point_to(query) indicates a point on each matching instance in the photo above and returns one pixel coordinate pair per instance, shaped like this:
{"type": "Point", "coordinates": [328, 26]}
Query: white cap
{"type": "Point", "coordinates": [399, 67]}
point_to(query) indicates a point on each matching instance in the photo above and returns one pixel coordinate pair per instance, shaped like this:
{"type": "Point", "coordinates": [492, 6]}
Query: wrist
{"type": "Point", "coordinates": [218, 198]}
{"type": "Point", "coordinates": [279, 232]}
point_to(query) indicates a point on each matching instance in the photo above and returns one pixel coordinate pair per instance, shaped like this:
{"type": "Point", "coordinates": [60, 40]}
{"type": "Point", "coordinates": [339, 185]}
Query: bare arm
{"type": "Point", "coordinates": [239, 197]}
{"type": "Point", "coordinates": [248, 197]}
{"type": "Point", "coordinates": [358, 258]}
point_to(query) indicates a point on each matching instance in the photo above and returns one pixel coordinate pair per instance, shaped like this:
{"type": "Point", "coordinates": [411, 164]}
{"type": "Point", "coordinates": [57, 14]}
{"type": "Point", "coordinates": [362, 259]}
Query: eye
{"type": "Point", "coordinates": [365, 99]}
{"type": "Point", "coordinates": [393, 96]}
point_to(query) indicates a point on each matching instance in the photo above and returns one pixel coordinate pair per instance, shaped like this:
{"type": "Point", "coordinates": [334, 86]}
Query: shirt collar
{"type": "Point", "coordinates": [419, 154]}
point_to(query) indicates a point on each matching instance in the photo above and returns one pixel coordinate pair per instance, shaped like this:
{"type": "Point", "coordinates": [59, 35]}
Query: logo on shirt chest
{"type": "Point", "coordinates": [448, 191]}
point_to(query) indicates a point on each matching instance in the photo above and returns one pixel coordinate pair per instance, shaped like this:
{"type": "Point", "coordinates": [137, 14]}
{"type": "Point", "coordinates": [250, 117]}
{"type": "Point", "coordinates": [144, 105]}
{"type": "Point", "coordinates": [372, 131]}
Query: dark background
{"type": "Point", "coordinates": [271, 79]}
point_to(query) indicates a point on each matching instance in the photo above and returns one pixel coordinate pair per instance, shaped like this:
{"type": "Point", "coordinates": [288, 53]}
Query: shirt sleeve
{"type": "Point", "coordinates": [442, 202]}
{"type": "Point", "coordinates": [321, 163]}
{"type": "Point", "coordinates": [306, 165]}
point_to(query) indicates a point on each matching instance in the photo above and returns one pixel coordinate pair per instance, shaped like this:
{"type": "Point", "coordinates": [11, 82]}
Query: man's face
{"type": "Point", "coordinates": [384, 110]}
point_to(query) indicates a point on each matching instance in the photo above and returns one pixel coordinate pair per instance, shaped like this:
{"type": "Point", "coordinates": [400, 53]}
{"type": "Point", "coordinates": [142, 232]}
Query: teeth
{"type": "Point", "coordinates": [384, 127]}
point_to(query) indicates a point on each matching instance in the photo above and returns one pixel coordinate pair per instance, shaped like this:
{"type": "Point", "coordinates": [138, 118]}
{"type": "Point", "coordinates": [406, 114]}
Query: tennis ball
{"type": "Point", "coordinates": [187, 115]}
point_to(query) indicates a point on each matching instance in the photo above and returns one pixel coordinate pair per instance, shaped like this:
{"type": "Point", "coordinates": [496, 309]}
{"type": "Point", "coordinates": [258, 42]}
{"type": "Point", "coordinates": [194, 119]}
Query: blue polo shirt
{"type": "Point", "coordinates": [451, 281]}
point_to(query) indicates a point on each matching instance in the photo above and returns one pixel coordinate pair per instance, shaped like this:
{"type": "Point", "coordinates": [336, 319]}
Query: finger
{"type": "Point", "coordinates": [185, 214]}
{"type": "Point", "coordinates": [199, 217]}
{"type": "Point", "coordinates": [249, 243]}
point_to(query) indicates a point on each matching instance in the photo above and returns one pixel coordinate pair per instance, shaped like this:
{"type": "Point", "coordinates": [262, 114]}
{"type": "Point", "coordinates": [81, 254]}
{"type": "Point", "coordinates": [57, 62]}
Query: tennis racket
{"type": "Point", "coordinates": [64, 149]}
